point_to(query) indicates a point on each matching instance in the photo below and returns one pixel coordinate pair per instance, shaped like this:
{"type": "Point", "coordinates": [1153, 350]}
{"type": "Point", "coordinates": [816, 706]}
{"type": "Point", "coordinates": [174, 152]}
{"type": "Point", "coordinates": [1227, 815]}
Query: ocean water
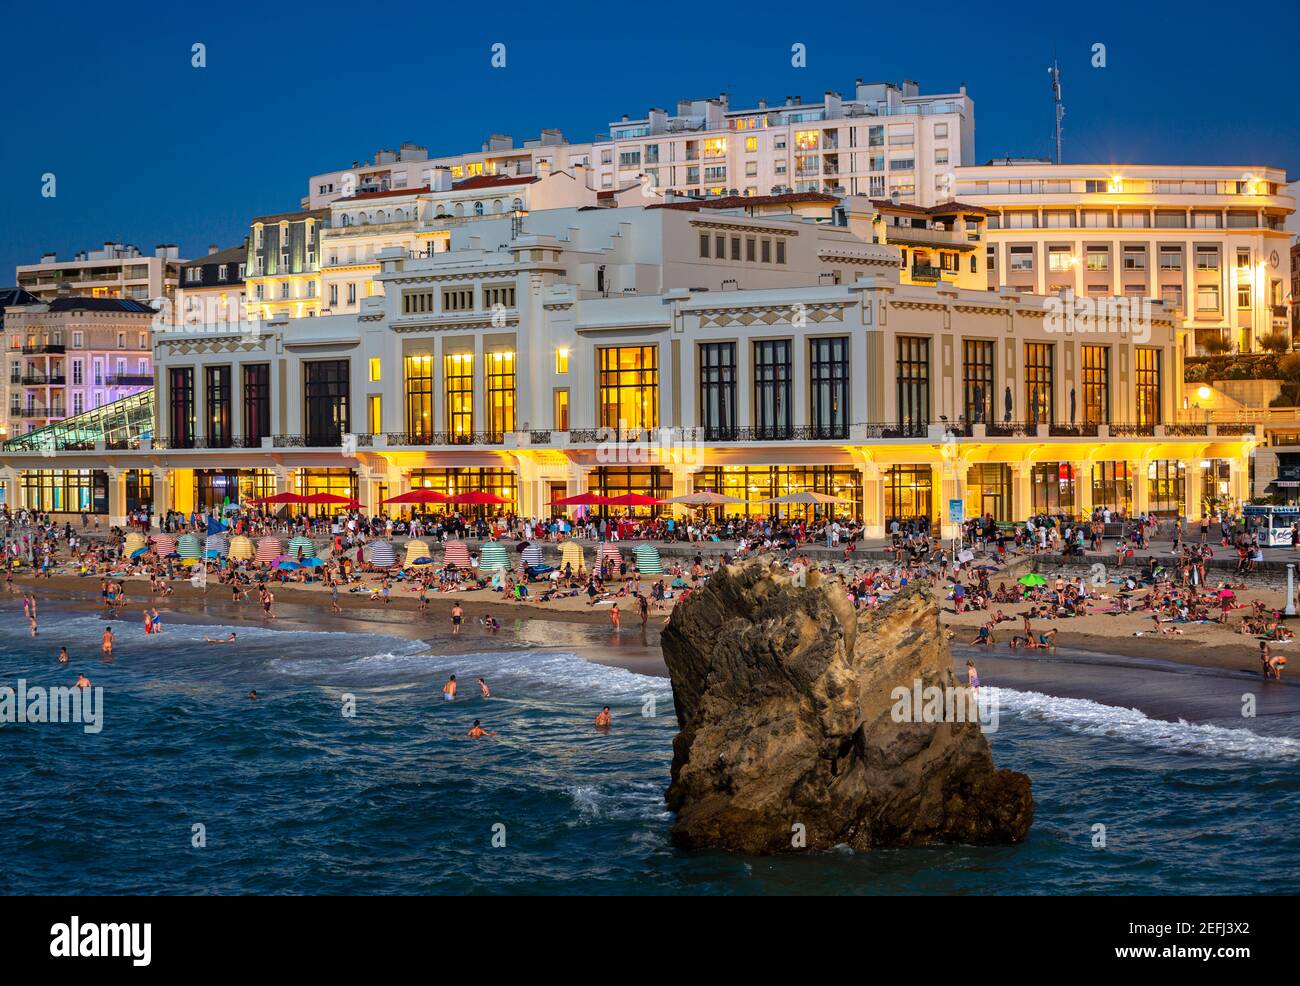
{"type": "Point", "coordinates": [293, 796]}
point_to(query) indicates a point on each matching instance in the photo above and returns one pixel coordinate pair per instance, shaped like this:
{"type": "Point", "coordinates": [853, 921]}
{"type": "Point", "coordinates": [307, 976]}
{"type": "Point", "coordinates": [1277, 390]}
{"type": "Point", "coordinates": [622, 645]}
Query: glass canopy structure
{"type": "Point", "coordinates": [119, 425]}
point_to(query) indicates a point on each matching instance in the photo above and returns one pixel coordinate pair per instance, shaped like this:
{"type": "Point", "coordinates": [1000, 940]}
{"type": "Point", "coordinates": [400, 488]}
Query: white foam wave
{"type": "Point", "coordinates": [1094, 719]}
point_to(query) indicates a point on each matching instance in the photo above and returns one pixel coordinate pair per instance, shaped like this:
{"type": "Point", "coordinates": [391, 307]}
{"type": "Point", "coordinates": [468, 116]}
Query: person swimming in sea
{"type": "Point", "coordinates": [253, 695]}
{"type": "Point", "coordinates": [106, 643]}
{"type": "Point", "coordinates": [603, 718]}
{"type": "Point", "coordinates": [449, 689]}
{"type": "Point", "coordinates": [476, 731]}
{"type": "Point", "coordinates": [83, 681]}
{"type": "Point", "coordinates": [483, 688]}
{"type": "Point", "coordinates": [227, 640]}
{"type": "Point", "coordinates": [63, 655]}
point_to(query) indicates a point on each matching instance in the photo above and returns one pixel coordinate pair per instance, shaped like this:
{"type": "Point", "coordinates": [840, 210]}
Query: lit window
{"type": "Point", "coordinates": [561, 361]}
{"type": "Point", "coordinates": [375, 372]}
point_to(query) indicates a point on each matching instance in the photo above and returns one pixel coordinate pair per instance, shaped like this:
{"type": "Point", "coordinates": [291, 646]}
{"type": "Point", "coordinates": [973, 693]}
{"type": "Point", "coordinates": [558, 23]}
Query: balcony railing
{"type": "Point", "coordinates": [44, 380]}
{"type": "Point", "coordinates": [924, 272]}
{"type": "Point", "coordinates": [43, 350]}
{"type": "Point", "coordinates": [130, 379]}
{"type": "Point", "coordinates": [1132, 430]}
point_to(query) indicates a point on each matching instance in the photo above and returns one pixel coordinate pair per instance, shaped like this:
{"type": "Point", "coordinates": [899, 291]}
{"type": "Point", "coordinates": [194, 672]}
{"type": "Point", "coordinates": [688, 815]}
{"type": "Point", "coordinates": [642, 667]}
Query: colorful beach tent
{"type": "Point", "coordinates": [415, 550]}
{"type": "Point", "coordinates": [216, 545]}
{"type": "Point", "coordinates": [647, 560]}
{"type": "Point", "coordinates": [301, 546]}
{"type": "Point", "coordinates": [241, 548]}
{"type": "Point", "coordinates": [382, 554]}
{"type": "Point", "coordinates": [456, 553]}
{"type": "Point", "coordinates": [164, 545]}
{"type": "Point", "coordinates": [492, 556]}
{"type": "Point", "coordinates": [189, 546]}
{"type": "Point", "coordinates": [608, 552]}
{"type": "Point", "coordinates": [133, 543]}
{"type": "Point", "coordinates": [571, 554]}
{"type": "Point", "coordinates": [268, 549]}
{"type": "Point", "coordinates": [532, 555]}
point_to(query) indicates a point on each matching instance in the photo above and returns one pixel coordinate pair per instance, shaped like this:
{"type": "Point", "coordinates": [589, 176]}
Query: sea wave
{"type": "Point", "coordinates": [1094, 719]}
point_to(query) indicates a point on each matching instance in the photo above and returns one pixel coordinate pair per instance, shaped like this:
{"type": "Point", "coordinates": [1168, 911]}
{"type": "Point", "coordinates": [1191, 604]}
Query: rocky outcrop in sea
{"type": "Point", "coordinates": [807, 724]}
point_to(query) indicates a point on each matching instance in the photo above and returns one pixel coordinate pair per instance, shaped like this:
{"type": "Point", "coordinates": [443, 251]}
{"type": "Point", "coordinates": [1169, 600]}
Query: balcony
{"type": "Point", "coordinates": [46, 380]}
{"type": "Point", "coordinates": [925, 272]}
{"type": "Point", "coordinates": [930, 237]}
{"type": "Point", "coordinates": [42, 350]}
{"type": "Point", "coordinates": [37, 411]}
{"type": "Point", "coordinates": [130, 379]}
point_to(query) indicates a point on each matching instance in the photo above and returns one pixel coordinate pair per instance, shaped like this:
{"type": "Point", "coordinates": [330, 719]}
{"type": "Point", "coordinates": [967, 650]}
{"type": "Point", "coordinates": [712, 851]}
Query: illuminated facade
{"type": "Point", "coordinates": [1210, 241]}
{"type": "Point", "coordinates": [753, 348]}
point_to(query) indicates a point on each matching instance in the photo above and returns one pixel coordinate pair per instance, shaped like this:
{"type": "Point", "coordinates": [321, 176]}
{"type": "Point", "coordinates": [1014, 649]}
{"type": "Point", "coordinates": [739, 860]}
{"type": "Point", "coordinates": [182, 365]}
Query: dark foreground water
{"type": "Point", "coordinates": [295, 797]}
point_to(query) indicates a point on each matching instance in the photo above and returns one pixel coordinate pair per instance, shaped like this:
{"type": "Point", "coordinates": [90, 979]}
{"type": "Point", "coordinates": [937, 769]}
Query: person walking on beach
{"type": "Point", "coordinates": [449, 690]}
{"type": "Point", "coordinates": [457, 618]}
{"type": "Point", "coordinates": [268, 602]}
{"type": "Point", "coordinates": [614, 616]}
{"type": "Point", "coordinates": [334, 598]}
{"type": "Point", "coordinates": [148, 623]}
{"type": "Point", "coordinates": [643, 609]}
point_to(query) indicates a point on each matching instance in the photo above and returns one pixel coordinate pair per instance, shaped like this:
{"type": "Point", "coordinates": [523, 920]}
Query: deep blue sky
{"type": "Point", "coordinates": [147, 149]}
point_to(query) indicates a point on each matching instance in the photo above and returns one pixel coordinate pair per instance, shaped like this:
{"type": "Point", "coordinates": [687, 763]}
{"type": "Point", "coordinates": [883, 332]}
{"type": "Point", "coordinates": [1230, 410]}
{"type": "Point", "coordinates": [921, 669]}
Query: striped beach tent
{"type": "Point", "coordinates": [609, 552]}
{"type": "Point", "coordinates": [241, 548]}
{"type": "Point", "coordinates": [189, 546]}
{"type": "Point", "coordinates": [532, 555]}
{"type": "Point", "coordinates": [218, 543]}
{"type": "Point", "coordinates": [456, 553]}
{"type": "Point", "coordinates": [382, 554]}
{"type": "Point", "coordinates": [647, 560]}
{"type": "Point", "coordinates": [571, 554]}
{"type": "Point", "coordinates": [134, 542]}
{"type": "Point", "coordinates": [493, 556]}
{"type": "Point", "coordinates": [303, 544]}
{"type": "Point", "coordinates": [415, 550]}
{"type": "Point", "coordinates": [164, 544]}
{"type": "Point", "coordinates": [269, 549]}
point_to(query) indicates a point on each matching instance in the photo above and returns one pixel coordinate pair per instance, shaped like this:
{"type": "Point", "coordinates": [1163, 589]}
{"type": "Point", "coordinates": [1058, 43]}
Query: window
{"type": "Point", "coordinates": [458, 386]}
{"type": "Point", "coordinates": [780, 251]}
{"type": "Point", "coordinates": [629, 388]}
{"type": "Point", "coordinates": [180, 387]}
{"type": "Point", "coordinates": [1095, 382]}
{"type": "Point", "coordinates": [765, 250]}
{"type": "Point", "coordinates": [216, 392]}
{"type": "Point", "coordinates": [704, 245]}
{"type": "Point", "coordinates": [912, 372]}
{"type": "Point", "coordinates": [1135, 258]}
{"type": "Point", "coordinates": [257, 402]}
{"type": "Point", "coordinates": [718, 390]}
{"type": "Point", "coordinates": [418, 377]}
{"type": "Point", "coordinates": [1171, 258]}
{"type": "Point", "coordinates": [828, 385]}
{"type": "Point", "coordinates": [1172, 295]}
{"type": "Point", "coordinates": [1112, 486]}
{"type": "Point", "coordinates": [1207, 297]}
{"type": "Point", "coordinates": [78, 371]}
{"type": "Point", "coordinates": [500, 386]}
{"type": "Point", "coordinates": [772, 383]}
{"type": "Point", "coordinates": [502, 295]}
{"type": "Point", "coordinates": [909, 492]}
{"type": "Point", "coordinates": [1147, 384]}
{"type": "Point", "coordinates": [1059, 259]}
{"type": "Point", "coordinates": [562, 409]}
{"type": "Point", "coordinates": [1097, 259]}
{"type": "Point", "coordinates": [325, 398]}
{"type": "Point", "coordinates": [1022, 258]}
{"type": "Point", "coordinates": [1039, 364]}
{"type": "Point", "coordinates": [750, 246]}
{"type": "Point", "coordinates": [977, 379]}
{"type": "Point", "coordinates": [376, 370]}
{"type": "Point", "coordinates": [1207, 258]}
{"type": "Point", "coordinates": [457, 299]}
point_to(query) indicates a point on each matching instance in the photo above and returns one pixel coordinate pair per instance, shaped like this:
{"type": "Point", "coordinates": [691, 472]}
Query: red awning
{"type": "Point", "coordinates": [633, 500]}
{"type": "Point", "coordinates": [476, 496]}
{"type": "Point", "coordinates": [581, 500]}
{"type": "Point", "coordinates": [279, 498]}
{"type": "Point", "coordinates": [419, 496]}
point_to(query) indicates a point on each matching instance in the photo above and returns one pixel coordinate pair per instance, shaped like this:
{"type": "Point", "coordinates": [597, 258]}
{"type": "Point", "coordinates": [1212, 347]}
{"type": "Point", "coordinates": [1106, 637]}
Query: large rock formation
{"type": "Point", "coordinates": [786, 698]}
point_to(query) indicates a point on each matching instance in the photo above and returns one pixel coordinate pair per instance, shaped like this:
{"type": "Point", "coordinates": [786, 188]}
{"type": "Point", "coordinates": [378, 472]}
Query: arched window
{"type": "Point", "coordinates": [442, 210]}
{"type": "Point", "coordinates": [460, 208]}
{"type": "Point", "coordinates": [496, 206]}
{"type": "Point", "coordinates": [517, 205]}
{"type": "Point", "coordinates": [478, 208]}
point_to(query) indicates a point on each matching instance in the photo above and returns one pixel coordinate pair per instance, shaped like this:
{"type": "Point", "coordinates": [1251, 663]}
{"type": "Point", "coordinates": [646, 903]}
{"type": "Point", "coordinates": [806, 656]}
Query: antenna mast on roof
{"type": "Point", "coordinates": [1055, 73]}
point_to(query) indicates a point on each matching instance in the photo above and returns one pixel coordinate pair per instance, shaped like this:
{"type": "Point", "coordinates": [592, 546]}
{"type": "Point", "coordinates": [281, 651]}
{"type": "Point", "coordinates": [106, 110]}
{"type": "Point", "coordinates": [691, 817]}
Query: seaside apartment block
{"type": "Point", "coordinates": [119, 270]}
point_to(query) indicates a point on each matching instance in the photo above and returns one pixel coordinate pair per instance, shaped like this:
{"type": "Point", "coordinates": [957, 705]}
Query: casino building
{"type": "Point", "coordinates": [753, 346]}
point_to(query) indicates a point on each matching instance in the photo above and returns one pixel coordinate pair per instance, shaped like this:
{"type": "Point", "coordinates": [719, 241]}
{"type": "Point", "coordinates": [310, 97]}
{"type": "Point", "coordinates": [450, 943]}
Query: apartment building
{"type": "Point", "coordinates": [410, 166]}
{"type": "Point", "coordinates": [1210, 241]}
{"type": "Point", "coordinates": [212, 287]}
{"type": "Point", "coordinates": [282, 264]}
{"type": "Point", "coordinates": [883, 140]}
{"type": "Point", "coordinates": [71, 355]}
{"type": "Point", "coordinates": [753, 348]}
{"type": "Point", "coordinates": [118, 270]}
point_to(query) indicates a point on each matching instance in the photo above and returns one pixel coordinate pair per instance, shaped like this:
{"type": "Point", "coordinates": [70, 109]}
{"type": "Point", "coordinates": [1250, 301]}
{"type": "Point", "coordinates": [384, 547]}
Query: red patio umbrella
{"type": "Point", "coordinates": [333, 498]}
{"type": "Point", "coordinates": [476, 496]}
{"type": "Point", "coordinates": [419, 496]}
{"type": "Point", "coordinates": [633, 500]}
{"type": "Point", "coordinates": [297, 498]}
{"type": "Point", "coordinates": [581, 500]}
